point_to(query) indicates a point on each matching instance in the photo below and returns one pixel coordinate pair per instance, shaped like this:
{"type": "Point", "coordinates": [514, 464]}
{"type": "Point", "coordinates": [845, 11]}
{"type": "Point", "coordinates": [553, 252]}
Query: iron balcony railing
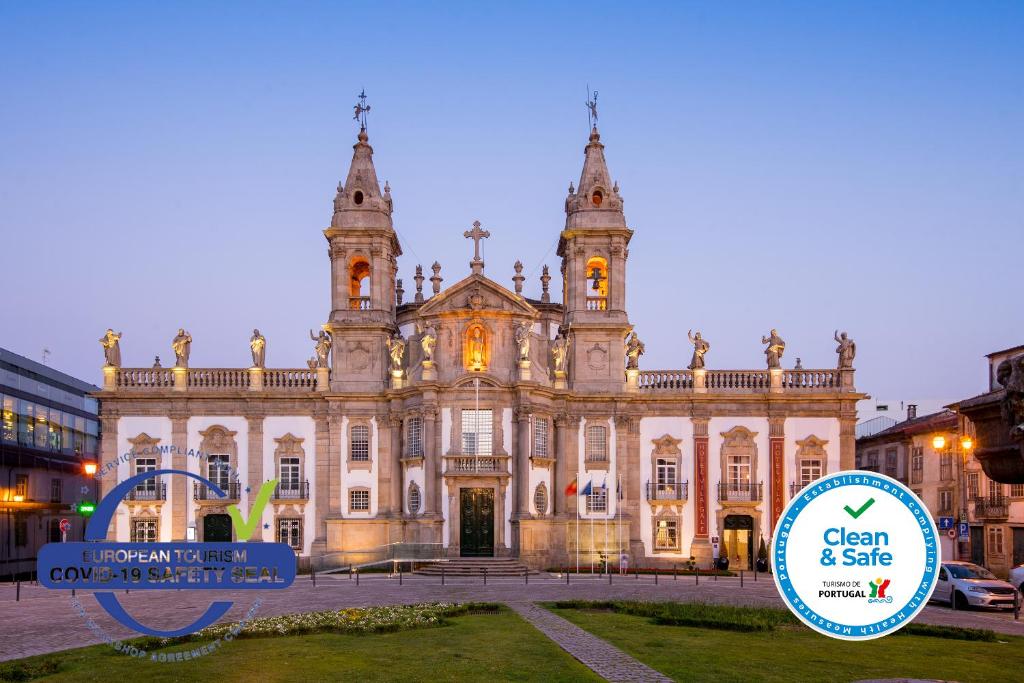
{"type": "Point", "coordinates": [151, 490]}
{"type": "Point", "coordinates": [741, 492]}
{"type": "Point", "coordinates": [293, 490]}
{"type": "Point", "coordinates": [991, 507]}
{"type": "Point", "coordinates": [203, 492]}
{"type": "Point", "coordinates": [667, 491]}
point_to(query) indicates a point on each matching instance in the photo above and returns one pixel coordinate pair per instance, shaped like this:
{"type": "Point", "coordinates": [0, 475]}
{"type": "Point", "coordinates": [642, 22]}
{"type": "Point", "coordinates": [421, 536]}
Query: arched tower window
{"type": "Point", "coordinates": [597, 283]}
{"type": "Point", "coordinates": [359, 284]}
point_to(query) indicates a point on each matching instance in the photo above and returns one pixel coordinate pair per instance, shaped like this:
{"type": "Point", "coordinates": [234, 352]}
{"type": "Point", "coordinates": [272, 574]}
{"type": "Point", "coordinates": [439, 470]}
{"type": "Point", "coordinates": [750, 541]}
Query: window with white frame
{"type": "Point", "coordinates": [359, 500]}
{"type": "Point", "coordinates": [891, 455]}
{"type": "Point", "coordinates": [289, 473]}
{"type": "Point", "coordinates": [360, 442]}
{"type": "Point", "coordinates": [289, 531]}
{"type": "Point", "coordinates": [973, 485]}
{"type": "Point", "coordinates": [995, 489]}
{"type": "Point", "coordinates": [946, 500]}
{"type": "Point", "coordinates": [995, 540]}
{"type": "Point", "coordinates": [477, 431]}
{"type": "Point", "coordinates": [144, 530]}
{"type": "Point", "coordinates": [56, 490]}
{"type": "Point", "coordinates": [414, 437]}
{"type": "Point", "coordinates": [146, 465]}
{"type": "Point", "coordinates": [540, 499]}
{"type": "Point", "coordinates": [810, 469]}
{"type": "Point", "coordinates": [666, 535]}
{"type": "Point", "coordinates": [738, 471]}
{"type": "Point", "coordinates": [414, 499]}
{"type": "Point", "coordinates": [597, 443]}
{"type": "Point", "coordinates": [917, 465]}
{"type": "Point", "coordinates": [218, 469]}
{"type": "Point", "coordinates": [1017, 490]}
{"type": "Point", "coordinates": [540, 437]}
{"type": "Point", "coordinates": [597, 500]}
{"type": "Point", "coordinates": [946, 465]}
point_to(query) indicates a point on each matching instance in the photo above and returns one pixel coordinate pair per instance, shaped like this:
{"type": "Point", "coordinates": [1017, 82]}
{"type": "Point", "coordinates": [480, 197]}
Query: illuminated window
{"type": "Point", "coordinates": [359, 283]}
{"type": "Point", "coordinates": [667, 534]}
{"type": "Point", "coordinates": [144, 530]}
{"type": "Point", "coordinates": [596, 277]}
{"type": "Point", "coordinates": [289, 532]}
{"type": "Point", "coordinates": [477, 431]}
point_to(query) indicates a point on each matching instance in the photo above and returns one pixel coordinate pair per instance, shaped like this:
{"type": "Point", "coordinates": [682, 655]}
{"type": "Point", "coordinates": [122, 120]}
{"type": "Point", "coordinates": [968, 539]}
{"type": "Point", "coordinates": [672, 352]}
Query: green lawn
{"type": "Point", "coordinates": [794, 653]}
{"type": "Point", "coordinates": [497, 646]}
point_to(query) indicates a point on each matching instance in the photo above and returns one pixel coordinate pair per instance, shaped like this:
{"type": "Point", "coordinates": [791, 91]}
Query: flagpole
{"type": "Point", "coordinates": [606, 511]}
{"type": "Point", "coordinates": [591, 514]}
{"type": "Point", "coordinates": [577, 531]}
{"type": "Point", "coordinates": [618, 513]}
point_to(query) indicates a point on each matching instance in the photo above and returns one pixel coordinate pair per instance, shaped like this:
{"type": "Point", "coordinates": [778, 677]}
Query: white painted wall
{"type": "Point", "coordinates": [361, 477]}
{"type": "Point", "coordinates": [506, 444]}
{"type": "Point", "coordinates": [129, 428]}
{"type": "Point", "coordinates": [798, 429]}
{"type": "Point", "coordinates": [678, 428]}
{"type": "Point", "coordinates": [303, 427]}
{"type": "Point", "coordinates": [232, 423]}
{"type": "Point", "coordinates": [597, 477]}
{"type": "Point", "coordinates": [446, 447]}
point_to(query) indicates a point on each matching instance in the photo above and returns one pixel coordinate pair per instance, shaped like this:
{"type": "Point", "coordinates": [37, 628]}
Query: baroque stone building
{"type": "Point", "coordinates": [460, 418]}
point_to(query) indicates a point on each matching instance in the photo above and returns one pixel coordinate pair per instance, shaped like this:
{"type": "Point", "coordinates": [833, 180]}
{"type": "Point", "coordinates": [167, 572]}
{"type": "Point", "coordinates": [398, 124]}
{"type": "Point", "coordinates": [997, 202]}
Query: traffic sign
{"type": "Point", "coordinates": [945, 523]}
{"type": "Point", "coordinates": [65, 525]}
{"type": "Point", "coordinates": [951, 533]}
{"type": "Point", "coordinates": [964, 531]}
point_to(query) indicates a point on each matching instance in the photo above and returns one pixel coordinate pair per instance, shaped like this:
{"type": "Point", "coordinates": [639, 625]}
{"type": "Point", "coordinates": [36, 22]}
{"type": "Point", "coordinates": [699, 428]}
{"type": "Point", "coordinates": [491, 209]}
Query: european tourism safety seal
{"type": "Point", "coordinates": [855, 555]}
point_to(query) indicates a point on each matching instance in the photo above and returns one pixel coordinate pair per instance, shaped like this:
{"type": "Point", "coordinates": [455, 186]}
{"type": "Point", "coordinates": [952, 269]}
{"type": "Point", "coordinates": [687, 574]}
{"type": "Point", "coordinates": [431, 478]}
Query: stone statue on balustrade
{"type": "Point", "coordinates": [847, 350]}
{"type": "Point", "coordinates": [428, 340]}
{"type": "Point", "coordinates": [522, 337]}
{"type": "Point", "coordinates": [396, 350]}
{"type": "Point", "coordinates": [313, 363]}
{"type": "Point", "coordinates": [773, 352]}
{"type": "Point", "coordinates": [700, 347]}
{"type": "Point", "coordinates": [111, 342]}
{"type": "Point", "coordinates": [634, 349]}
{"type": "Point", "coordinates": [182, 347]}
{"type": "Point", "coordinates": [258, 346]}
{"type": "Point", "coordinates": [560, 351]}
{"type": "Point", "coordinates": [322, 349]}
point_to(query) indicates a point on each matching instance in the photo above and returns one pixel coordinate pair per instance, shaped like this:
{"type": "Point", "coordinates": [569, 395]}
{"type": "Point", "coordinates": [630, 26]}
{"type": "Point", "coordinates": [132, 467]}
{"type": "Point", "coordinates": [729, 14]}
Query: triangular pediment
{"type": "Point", "coordinates": [477, 294]}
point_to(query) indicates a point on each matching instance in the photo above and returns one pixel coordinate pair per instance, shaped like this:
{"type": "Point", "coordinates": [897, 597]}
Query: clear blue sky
{"type": "Point", "coordinates": [805, 166]}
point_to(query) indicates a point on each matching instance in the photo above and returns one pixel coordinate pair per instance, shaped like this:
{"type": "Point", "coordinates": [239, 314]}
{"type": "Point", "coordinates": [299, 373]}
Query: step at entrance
{"type": "Point", "coordinates": [475, 566]}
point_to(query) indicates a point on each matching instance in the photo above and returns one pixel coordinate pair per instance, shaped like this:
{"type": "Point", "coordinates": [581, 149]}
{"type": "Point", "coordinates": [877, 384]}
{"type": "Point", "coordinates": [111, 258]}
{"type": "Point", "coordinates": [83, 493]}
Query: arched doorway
{"type": "Point", "coordinates": [738, 541]}
{"type": "Point", "coordinates": [216, 529]}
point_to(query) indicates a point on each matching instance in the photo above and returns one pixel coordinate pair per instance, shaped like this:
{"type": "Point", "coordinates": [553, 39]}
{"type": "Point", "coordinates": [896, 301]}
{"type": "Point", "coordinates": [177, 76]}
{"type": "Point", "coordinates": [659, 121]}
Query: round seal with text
{"type": "Point", "coordinates": [855, 555]}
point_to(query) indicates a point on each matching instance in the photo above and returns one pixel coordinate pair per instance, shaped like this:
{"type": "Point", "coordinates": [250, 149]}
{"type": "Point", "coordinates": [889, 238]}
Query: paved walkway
{"type": "Point", "coordinates": [44, 620]}
{"type": "Point", "coordinates": [600, 656]}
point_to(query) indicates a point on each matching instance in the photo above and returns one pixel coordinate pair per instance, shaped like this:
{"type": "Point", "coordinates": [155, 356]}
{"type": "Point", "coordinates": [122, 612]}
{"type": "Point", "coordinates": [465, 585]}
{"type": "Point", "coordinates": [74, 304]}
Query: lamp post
{"type": "Point", "coordinates": [966, 444]}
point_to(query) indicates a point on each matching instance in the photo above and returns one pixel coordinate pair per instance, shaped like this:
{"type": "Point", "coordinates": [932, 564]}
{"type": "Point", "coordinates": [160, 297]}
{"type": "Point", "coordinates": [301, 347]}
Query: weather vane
{"type": "Point", "coordinates": [361, 108]}
{"type": "Point", "coordinates": [591, 108]}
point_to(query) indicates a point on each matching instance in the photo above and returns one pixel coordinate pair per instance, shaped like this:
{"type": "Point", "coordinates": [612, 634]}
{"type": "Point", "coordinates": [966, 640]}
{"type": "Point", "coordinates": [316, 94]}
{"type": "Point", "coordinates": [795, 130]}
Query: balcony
{"type": "Point", "coordinates": [292, 490]}
{"type": "Point", "coordinates": [795, 488]}
{"type": "Point", "coordinates": [740, 493]}
{"type": "Point", "coordinates": [660, 492]}
{"type": "Point", "coordinates": [992, 508]}
{"type": "Point", "coordinates": [480, 464]}
{"type": "Point", "coordinates": [359, 303]}
{"type": "Point", "coordinates": [597, 303]}
{"type": "Point", "coordinates": [148, 492]}
{"type": "Point", "coordinates": [202, 492]}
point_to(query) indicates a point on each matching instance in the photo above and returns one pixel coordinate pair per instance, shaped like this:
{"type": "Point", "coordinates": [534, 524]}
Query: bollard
{"type": "Point", "coordinates": [696, 576]}
{"type": "Point", "coordinates": [567, 577]}
{"type": "Point", "coordinates": [636, 573]}
{"type": "Point", "coordinates": [350, 572]}
{"type": "Point", "coordinates": [399, 574]}
{"type": "Point", "coordinates": [755, 573]}
{"type": "Point", "coordinates": [741, 578]}
{"type": "Point", "coordinates": [357, 577]}
{"type": "Point", "coordinates": [675, 572]}
{"type": "Point", "coordinates": [17, 596]}
{"type": "Point", "coordinates": [655, 576]}
{"type": "Point", "coordinates": [609, 578]}
{"type": "Point", "coordinates": [485, 576]}
{"type": "Point", "coordinates": [312, 575]}
{"type": "Point", "coordinates": [442, 574]}
{"type": "Point", "coordinates": [526, 577]}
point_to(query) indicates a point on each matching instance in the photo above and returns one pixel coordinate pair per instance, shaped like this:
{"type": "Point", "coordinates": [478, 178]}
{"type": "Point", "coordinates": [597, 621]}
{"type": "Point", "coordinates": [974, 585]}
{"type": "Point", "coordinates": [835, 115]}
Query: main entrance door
{"type": "Point", "coordinates": [217, 528]}
{"type": "Point", "coordinates": [476, 521]}
{"type": "Point", "coordinates": [738, 541]}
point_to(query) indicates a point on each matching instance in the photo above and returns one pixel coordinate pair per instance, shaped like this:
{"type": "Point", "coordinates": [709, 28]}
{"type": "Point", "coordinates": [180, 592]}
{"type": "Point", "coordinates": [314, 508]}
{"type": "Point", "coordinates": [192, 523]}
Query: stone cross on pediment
{"type": "Point", "coordinates": [476, 234]}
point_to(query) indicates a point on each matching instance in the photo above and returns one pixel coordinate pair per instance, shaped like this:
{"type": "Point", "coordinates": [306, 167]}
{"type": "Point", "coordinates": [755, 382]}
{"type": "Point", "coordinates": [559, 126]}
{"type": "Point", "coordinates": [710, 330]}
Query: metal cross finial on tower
{"type": "Point", "coordinates": [476, 234]}
{"type": "Point", "coordinates": [591, 108]}
{"type": "Point", "coordinates": [360, 110]}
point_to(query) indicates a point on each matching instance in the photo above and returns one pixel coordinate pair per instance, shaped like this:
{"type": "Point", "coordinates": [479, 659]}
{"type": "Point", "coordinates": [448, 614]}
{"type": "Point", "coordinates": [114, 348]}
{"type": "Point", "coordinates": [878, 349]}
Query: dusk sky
{"type": "Point", "coordinates": [804, 166]}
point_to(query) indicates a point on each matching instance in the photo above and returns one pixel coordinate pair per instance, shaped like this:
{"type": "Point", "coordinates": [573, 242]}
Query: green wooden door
{"type": "Point", "coordinates": [476, 533]}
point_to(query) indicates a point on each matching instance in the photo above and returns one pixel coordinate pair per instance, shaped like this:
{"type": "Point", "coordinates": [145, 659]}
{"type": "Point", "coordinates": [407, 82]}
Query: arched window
{"type": "Point", "coordinates": [359, 284]}
{"type": "Point", "coordinates": [597, 283]}
{"type": "Point", "coordinates": [540, 499]}
{"type": "Point", "coordinates": [414, 499]}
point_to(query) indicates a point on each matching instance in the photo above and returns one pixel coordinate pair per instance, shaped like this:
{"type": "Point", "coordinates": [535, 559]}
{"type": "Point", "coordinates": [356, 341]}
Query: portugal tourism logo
{"type": "Point", "coordinates": [856, 555]}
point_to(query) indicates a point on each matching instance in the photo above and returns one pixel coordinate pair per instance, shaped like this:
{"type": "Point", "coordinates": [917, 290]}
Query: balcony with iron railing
{"type": "Point", "coordinates": [292, 490]}
{"type": "Point", "coordinates": [667, 492]}
{"type": "Point", "coordinates": [795, 488]}
{"type": "Point", "coordinates": [991, 507]}
{"type": "Point", "coordinates": [150, 491]}
{"type": "Point", "coordinates": [740, 492]}
{"type": "Point", "coordinates": [202, 492]}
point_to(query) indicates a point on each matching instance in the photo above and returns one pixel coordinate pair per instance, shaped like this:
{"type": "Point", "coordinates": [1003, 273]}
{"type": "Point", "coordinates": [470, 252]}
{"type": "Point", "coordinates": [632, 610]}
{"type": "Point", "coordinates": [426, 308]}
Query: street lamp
{"type": "Point", "coordinates": [90, 468]}
{"type": "Point", "coordinates": [966, 443]}
{"type": "Point", "coordinates": [938, 442]}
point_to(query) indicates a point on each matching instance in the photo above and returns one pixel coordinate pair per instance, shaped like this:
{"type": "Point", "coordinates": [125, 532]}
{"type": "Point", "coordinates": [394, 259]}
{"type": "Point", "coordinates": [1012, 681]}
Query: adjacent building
{"type": "Point", "coordinates": [49, 430]}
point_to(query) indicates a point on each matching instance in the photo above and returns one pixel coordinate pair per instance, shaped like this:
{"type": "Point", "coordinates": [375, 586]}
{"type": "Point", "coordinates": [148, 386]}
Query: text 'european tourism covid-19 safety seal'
{"type": "Point", "coordinates": [855, 555]}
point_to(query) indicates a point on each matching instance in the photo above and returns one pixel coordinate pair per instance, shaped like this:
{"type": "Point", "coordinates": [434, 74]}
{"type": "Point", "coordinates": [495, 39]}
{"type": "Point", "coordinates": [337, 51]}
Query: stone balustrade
{"type": "Point", "coordinates": [143, 378]}
{"type": "Point", "coordinates": [215, 380]}
{"type": "Point", "coordinates": [744, 381]}
{"type": "Point", "coordinates": [661, 380]}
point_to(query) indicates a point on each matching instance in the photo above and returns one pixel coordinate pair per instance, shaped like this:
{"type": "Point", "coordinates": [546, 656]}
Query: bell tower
{"type": "Point", "coordinates": [364, 250]}
{"type": "Point", "coordinates": [594, 250]}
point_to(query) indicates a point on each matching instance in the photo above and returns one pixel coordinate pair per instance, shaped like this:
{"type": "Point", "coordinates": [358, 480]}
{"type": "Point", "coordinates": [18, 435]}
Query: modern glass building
{"type": "Point", "coordinates": [48, 432]}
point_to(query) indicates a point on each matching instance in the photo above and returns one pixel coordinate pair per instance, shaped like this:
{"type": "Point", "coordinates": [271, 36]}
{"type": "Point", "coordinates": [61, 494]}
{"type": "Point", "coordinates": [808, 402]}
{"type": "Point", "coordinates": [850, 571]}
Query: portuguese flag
{"type": "Point", "coordinates": [570, 490]}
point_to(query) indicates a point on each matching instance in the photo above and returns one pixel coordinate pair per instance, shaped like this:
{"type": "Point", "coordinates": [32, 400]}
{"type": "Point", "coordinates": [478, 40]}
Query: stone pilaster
{"type": "Point", "coordinates": [777, 468]}
{"type": "Point", "coordinates": [561, 504]}
{"type": "Point", "coordinates": [323, 478]}
{"type": "Point", "coordinates": [180, 500]}
{"type": "Point", "coordinates": [701, 546]}
{"type": "Point", "coordinates": [521, 491]}
{"type": "Point", "coordinates": [431, 469]}
{"type": "Point", "coordinates": [847, 436]}
{"type": "Point", "coordinates": [334, 452]}
{"type": "Point", "coordinates": [255, 473]}
{"type": "Point", "coordinates": [627, 455]}
{"type": "Point", "coordinates": [395, 458]}
{"type": "Point", "coordinates": [108, 455]}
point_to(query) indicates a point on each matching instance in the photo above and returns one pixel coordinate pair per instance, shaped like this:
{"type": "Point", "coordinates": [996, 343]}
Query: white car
{"type": "Point", "coordinates": [964, 583]}
{"type": "Point", "coordinates": [1017, 577]}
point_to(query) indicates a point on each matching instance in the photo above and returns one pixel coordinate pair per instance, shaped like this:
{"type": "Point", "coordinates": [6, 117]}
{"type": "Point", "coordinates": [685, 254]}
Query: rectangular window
{"type": "Point", "coordinates": [359, 500]}
{"type": "Point", "coordinates": [289, 531]}
{"type": "Point", "coordinates": [540, 437]}
{"type": "Point", "coordinates": [414, 437]}
{"type": "Point", "coordinates": [597, 500]}
{"type": "Point", "coordinates": [56, 490]}
{"type": "Point", "coordinates": [995, 489]}
{"type": "Point", "coordinates": [917, 465]}
{"type": "Point", "coordinates": [738, 471]}
{"type": "Point", "coordinates": [360, 436]}
{"type": "Point", "coordinates": [146, 465]}
{"type": "Point", "coordinates": [810, 469]}
{"type": "Point", "coordinates": [945, 501]}
{"type": "Point", "coordinates": [946, 466]}
{"type": "Point", "coordinates": [40, 428]}
{"type": "Point", "coordinates": [890, 461]}
{"type": "Point", "coordinates": [667, 536]}
{"type": "Point", "coordinates": [597, 443]}
{"type": "Point", "coordinates": [973, 487]}
{"type": "Point", "coordinates": [1017, 490]}
{"type": "Point", "coordinates": [219, 470]}
{"type": "Point", "coordinates": [995, 540]}
{"type": "Point", "coordinates": [289, 474]}
{"type": "Point", "coordinates": [477, 432]}
{"type": "Point", "coordinates": [144, 531]}
{"type": "Point", "coordinates": [21, 530]}
{"type": "Point", "coordinates": [667, 470]}
{"type": "Point", "coordinates": [21, 486]}
{"type": "Point", "coordinates": [8, 420]}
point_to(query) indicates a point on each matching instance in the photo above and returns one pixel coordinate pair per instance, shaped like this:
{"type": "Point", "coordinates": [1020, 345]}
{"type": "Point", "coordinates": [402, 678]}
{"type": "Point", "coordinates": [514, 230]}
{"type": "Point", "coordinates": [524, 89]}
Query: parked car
{"type": "Point", "coordinates": [1017, 577]}
{"type": "Point", "coordinates": [964, 583]}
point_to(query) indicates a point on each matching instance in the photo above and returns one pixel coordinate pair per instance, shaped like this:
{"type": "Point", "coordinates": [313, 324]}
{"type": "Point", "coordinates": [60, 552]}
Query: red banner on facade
{"type": "Point", "coordinates": [700, 490]}
{"type": "Point", "coordinates": [778, 483]}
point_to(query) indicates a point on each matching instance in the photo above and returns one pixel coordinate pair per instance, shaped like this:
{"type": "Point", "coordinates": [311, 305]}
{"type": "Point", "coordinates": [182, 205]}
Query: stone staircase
{"type": "Point", "coordinates": [475, 566]}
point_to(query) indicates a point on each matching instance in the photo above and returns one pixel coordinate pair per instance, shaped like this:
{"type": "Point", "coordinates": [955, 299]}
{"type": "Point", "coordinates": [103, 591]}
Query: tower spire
{"type": "Point", "coordinates": [360, 196]}
{"type": "Point", "coordinates": [595, 201]}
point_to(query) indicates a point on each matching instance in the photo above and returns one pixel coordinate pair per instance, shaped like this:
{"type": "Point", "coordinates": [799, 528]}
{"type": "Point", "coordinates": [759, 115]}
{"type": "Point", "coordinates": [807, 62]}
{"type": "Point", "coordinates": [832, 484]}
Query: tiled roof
{"type": "Point", "coordinates": [945, 419]}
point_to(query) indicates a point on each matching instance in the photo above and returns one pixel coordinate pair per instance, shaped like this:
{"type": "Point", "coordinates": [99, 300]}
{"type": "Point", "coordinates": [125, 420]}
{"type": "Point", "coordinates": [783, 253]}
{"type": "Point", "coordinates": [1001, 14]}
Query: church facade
{"type": "Point", "coordinates": [473, 421]}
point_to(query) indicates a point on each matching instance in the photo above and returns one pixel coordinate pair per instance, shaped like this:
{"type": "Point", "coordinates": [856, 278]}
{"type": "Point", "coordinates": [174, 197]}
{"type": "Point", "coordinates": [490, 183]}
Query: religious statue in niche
{"type": "Point", "coordinates": [560, 351]}
{"type": "Point", "coordinates": [847, 350]}
{"type": "Point", "coordinates": [111, 342]}
{"type": "Point", "coordinates": [258, 346]}
{"type": "Point", "coordinates": [522, 337]}
{"type": "Point", "coordinates": [322, 348]}
{"type": "Point", "coordinates": [476, 349]}
{"type": "Point", "coordinates": [182, 347]}
{"type": "Point", "coordinates": [396, 350]}
{"type": "Point", "coordinates": [634, 349]}
{"type": "Point", "coordinates": [773, 352]}
{"type": "Point", "coordinates": [700, 347]}
{"type": "Point", "coordinates": [428, 339]}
